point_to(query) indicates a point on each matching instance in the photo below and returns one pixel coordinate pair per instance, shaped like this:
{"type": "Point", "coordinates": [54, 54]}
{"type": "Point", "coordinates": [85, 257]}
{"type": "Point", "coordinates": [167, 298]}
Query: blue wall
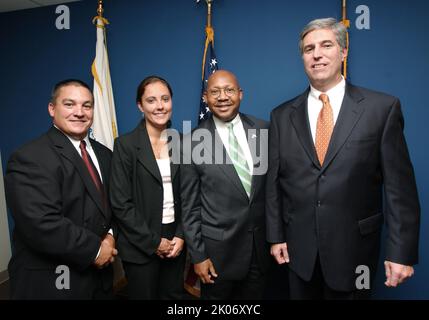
{"type": "Point", "coordinates": [255, 39]}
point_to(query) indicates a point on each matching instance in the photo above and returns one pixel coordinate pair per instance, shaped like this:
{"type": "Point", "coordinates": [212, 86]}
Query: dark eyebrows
{"type": "Point", "coordinates": [65, 100]}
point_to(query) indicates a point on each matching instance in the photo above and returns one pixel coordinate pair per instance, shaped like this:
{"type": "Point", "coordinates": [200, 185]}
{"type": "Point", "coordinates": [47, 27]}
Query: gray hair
{"type": "Point", "coordinates": [338, 28]}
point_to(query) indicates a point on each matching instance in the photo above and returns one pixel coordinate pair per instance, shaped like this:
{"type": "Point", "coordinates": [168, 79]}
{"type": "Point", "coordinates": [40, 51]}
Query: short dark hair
{"type": "Point", "coordinates": [65, 83]}
{"type": "Point", "coordinates": [148, 80]}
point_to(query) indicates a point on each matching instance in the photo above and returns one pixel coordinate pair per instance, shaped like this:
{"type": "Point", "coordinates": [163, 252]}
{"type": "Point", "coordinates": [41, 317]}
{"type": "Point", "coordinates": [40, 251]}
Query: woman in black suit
{"type": "Point", "coordinates": [145, 200]}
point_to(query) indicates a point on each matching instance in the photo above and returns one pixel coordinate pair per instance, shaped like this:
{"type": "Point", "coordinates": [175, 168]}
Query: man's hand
{"type": "Point", "coordinates": [177, 249]}
{"type": "Point", "coordinates": [107, 252]}
{"type": "Point", "coordinates": [279, 252]}
{"type": "Point", "coordinates": [165, 247]}
{"type": "Point", "coordinates": [206, 271]}
{"type": "Point", "coordinates": [397, 273]}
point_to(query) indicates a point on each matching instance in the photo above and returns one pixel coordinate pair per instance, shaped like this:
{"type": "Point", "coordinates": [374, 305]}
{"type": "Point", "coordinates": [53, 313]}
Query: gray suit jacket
{"type": "Point", "coordinates": [220, 222]}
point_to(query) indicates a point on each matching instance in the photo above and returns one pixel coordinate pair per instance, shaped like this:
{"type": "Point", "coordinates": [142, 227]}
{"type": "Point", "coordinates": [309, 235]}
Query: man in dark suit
{"type": "Point", "coordinates": [223, 196]}
{"type": "Point", "coordinates": [56, 190]}
{"type": "Point", "coordinates": [333, 150]}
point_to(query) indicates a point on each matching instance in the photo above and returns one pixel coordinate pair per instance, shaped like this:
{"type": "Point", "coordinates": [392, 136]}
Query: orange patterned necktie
{"type": "Point", "coordinates": [325, 126]}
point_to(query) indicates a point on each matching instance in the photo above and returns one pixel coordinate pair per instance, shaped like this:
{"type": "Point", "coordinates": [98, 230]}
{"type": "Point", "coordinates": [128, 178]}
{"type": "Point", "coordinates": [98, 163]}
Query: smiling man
{"type": "Point", "coordinates": [223, 204]}
{"type": "Point", "coordinates": [335, 152]}
{"type": "Point", "coordinates": [56, 190]}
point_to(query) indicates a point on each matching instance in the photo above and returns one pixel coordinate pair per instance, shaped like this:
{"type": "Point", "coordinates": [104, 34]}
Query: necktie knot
{"type": "Point", "coordinates": [324, 98]}
{"type": "Point", "coordinates": [82, 145]}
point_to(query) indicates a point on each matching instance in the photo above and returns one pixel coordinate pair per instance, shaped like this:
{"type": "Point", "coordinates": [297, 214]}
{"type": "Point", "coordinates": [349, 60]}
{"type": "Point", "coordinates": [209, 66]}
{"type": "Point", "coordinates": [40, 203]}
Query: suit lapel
{"type": "Point", "coordinates": [145, 153]}
{"type": "Point", "coordinates": [299, 119]}
{"type": "Point", "coordinates": [219, 149]}
{"type": "Point", "coordinates": [350, 113]}
{"type": "Point", "coordinates": [67, 150]}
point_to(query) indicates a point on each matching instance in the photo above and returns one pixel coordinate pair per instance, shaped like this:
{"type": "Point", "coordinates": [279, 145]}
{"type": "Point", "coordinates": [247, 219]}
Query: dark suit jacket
{"type": "Point", "coordinates": [219, 220]}
{"type": "Point", "coordinates": [59, 218]}
{"type": "Point", "coordinates": [336, 210]}
{"type": "Point", "coordinates": [137, 196]}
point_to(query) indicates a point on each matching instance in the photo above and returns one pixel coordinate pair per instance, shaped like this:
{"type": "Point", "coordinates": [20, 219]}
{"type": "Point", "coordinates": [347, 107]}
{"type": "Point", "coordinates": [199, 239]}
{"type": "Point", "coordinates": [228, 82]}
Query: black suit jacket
{"type": "Point", "coordinates": [136, 195]}
{"type": "Point", "coordinates": [336, 210]}
{"type": "Point", "coordinates": [219, 220]}
{"type": "Point", "coordinates": [60, 218]}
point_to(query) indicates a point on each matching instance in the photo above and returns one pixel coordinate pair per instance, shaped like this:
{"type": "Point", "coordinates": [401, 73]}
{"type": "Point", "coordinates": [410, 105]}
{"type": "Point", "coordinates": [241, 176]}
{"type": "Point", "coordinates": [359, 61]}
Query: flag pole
{"type": "Point", "coordinates": [346, 23]}
{"type": "Point", "coordinates": [209, 34]}
{"type": "Point", "coordinates": [209, 13]}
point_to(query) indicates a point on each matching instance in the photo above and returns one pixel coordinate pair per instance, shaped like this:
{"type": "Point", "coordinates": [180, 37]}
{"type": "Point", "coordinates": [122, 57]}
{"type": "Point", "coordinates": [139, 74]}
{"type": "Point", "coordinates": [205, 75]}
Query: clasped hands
{"type": "Point", "coordinates": [170, 248]}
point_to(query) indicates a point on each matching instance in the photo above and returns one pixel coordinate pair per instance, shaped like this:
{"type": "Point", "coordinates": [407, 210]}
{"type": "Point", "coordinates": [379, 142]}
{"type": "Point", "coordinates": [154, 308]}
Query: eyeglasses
{"type": "Point", "coordinates": [215, 93]}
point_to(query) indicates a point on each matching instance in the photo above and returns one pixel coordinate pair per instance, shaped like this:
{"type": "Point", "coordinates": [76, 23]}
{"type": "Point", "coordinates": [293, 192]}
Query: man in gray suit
{"type": "Point", "coordinates": [334, 151]}
{"type": "Point", "coordinates": [223, 196]}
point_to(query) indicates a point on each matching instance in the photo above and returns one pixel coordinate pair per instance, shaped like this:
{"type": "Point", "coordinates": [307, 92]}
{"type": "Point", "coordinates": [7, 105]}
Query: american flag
{"type": "Point", "coordinates": [210, 65]}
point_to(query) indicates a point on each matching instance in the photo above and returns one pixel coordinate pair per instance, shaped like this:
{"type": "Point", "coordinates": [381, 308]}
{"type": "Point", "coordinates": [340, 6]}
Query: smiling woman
{"type": "Point", "coordinates": [145, 200]}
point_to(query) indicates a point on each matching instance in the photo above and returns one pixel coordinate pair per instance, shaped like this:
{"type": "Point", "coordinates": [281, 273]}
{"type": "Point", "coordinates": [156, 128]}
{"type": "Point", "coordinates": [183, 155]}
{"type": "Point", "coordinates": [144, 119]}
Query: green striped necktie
{"type": "Point", "coordinates": [239, 160]}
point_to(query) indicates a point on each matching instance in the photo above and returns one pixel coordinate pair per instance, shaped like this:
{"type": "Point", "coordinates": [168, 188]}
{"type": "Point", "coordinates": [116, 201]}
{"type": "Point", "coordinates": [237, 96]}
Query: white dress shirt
{"type": "Point", "coordinates": [168, 205]}
{"type": "Point", "coordinates": [314, 105]}
{"type": "Point", "coordinates": [76, 145]}
{"type": "Point", "coordinates": [239, 132]}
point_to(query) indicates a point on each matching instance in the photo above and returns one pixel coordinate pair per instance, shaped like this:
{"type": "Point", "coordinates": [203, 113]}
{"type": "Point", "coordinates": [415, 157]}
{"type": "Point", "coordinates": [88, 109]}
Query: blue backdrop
{"type": "Point", "coordinates": [258, 40]}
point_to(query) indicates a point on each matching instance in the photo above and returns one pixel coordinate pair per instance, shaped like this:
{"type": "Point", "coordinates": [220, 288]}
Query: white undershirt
{"type": "Point", "coordinates": [314, 105]}
{"type": "Point", "coordinates": [168, 205]}
{"type": "Point", "coordinates": [239, 132]}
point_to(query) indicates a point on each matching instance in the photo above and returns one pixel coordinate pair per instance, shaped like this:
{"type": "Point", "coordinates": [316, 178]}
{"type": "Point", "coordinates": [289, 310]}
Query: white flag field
{"type": "Point", "coordinates": [104, 128]}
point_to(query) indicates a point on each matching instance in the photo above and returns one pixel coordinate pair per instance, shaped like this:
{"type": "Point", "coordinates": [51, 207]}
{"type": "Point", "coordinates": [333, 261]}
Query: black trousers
{"type": "Point", "coordinates": [317, 289]}
{"type": "Point", "coordinates": [159, 279]}
{"type": "Point", "coordinates": [252, 287]}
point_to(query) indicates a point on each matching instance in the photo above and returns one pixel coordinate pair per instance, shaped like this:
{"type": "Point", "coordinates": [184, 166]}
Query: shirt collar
{"type": "Point", "coordinates": [338, 89]}
{"type": "Point", "coordinates": [222, 124]}
{"type": "Point", "coordinates": [76, 143]}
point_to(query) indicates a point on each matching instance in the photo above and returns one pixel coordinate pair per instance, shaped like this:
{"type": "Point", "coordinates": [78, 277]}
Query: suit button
{"type": "Point", "coordinates": [319, 203]}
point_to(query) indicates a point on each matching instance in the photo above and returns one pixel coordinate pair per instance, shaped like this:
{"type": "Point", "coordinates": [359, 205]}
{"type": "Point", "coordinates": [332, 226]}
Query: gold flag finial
{"type": "Point", "coordinates": [100, 9]}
